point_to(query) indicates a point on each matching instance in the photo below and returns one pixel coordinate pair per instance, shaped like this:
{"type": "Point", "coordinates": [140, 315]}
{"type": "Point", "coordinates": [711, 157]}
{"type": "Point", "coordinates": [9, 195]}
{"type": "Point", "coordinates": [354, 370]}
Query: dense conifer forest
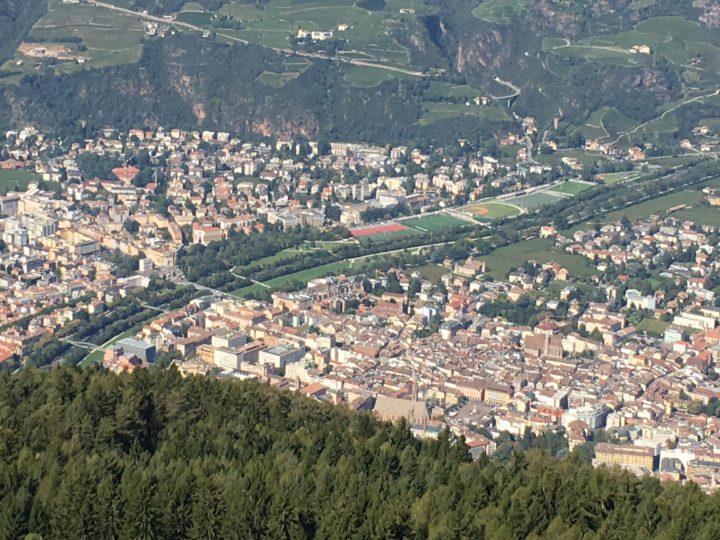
{"type": "Point", "coordinates": [88, 454]}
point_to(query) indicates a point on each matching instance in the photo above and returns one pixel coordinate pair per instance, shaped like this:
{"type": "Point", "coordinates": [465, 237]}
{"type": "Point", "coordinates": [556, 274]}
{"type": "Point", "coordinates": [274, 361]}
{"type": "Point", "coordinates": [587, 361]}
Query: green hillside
{"type": "Point", "coordinates": [16, 19]}
{"type": "Point", "coordinates": [620, 71]}
{"type": "Point", "coordinates": [88, 454]}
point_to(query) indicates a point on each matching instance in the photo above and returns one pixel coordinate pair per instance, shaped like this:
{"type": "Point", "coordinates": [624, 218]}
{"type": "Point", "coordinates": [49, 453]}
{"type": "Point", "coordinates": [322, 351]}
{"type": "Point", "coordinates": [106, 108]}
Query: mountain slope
{"type": "Point", "coordinates": [608, 69]}
{"type": "Point", "coordinates": [16, 19]}
{"type": "Point", "coordinates": [187, 81]}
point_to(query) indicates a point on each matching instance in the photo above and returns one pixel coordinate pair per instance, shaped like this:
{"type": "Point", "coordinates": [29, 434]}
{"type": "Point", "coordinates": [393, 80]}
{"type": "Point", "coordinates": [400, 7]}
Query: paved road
{"type": "Point", "coordinates": [250, 280]}
{"type": "Point", "coordinates": [408, 249]}
{"type": "Point", "coordinates": [155, 308]}
{"type": "Point", "coordinates": [83, 344]}
{"type": "Point", "coordinates": [199, 287]}
{"type": "Point", "coordinates": [516, 89]}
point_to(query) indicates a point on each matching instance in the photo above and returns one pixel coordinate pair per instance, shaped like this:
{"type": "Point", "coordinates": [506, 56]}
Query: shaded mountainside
{"type": "Point", "coordinates": [16, 19]}
{"type": "Point", "coordinates": [191, 82]}
{"type": "Point", "coordinates": [88, 454]}
{"type": "Point", "coordinates": [512, 47]}
{"type": "Point", "coordinates": [549, 58]}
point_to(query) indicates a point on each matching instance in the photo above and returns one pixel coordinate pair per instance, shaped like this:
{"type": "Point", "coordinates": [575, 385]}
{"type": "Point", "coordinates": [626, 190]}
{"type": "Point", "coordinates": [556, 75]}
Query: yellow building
{"type": "Point", "coordinates": [625, 456]}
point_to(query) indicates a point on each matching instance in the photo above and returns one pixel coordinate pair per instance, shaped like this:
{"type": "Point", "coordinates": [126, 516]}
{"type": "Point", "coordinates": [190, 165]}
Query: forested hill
{"type": "Point", "coordinates": [87, 454]}
{"type": "Point", "coordinates": [401, 72]}
{"type": "Point", "coordinates": [170, 87]}
{"type": "Point", "coordinates": [16, 19]}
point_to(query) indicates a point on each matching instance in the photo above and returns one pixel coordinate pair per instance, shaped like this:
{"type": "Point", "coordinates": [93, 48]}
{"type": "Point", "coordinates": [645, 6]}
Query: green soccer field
{"type": "Point", "coordinates": [436, 223]}
{"type": "Point", "coordinates": [535, 200]}
{"type": "Point", "coordinates": [571, 188]}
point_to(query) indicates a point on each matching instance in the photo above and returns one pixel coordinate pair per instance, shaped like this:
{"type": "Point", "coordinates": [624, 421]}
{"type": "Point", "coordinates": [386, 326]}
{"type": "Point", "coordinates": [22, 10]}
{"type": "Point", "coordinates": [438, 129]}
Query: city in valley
{"type": "Point", "coordinates": [520, 296]}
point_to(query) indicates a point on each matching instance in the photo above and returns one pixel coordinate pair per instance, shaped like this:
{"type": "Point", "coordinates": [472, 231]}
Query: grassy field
{"type": "Point", "coordinates": [593, 127]}
{"type": "Point", "coordinates": [110, 37]}
{"type": "Point", "coordinates": [701, 214]}
{"type": "Point", "coordinates": [606, 122]}
{"type": "Point", "coordinates": [303, 276]}
{"type": "Point", "coordinates": [571, 188]}
{"type": "Point", "coordinates": [617, 177]}
{"type": "Point", "coordinates": [602, 54]}
{"type": "Point", "coordinates": [655, 206]}
{"type": "Point", "coordinates": [713, 183]}
{"type": "Point", "coordinates": [431, 272]}
{"type": "Point", "coordinates": [654, 327]}
{"type": "Point", "coordinates": [615, 122]}
{"type": "Point", "coordinates": [19, 179]}
{"type": "Point", "coordinates": [197, 18]}
{"type": "Point", "coordinates": [491, 210]}
{"type": "Point", "coordinates": [535, 200]}
{"type": "Point", "coordinates": [673, 161]}
{"type": "Point", "coordinates": [432, 112]}
{"type": "Point", "coordinates": [678, 40]}
{"type": "Point", "coordinates": [368, 32]}
{"type": "Point", "coordinates": [500, 261]}
{"type": "Point", "coordinates": [439, 89]}
{"type": "Point", "coordinates": [436, 223]}
{"type": "Point", "coordinates": [676, 27]}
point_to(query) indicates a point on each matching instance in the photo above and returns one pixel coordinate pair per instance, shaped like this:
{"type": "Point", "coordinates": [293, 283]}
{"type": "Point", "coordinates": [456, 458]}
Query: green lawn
{"type": "Point", "coordinates": [431, 272]}
{"type": "Point", "coordinates": [19, 179]}
{"type": "Point", "coordinates": [433, 112]}
{"type": "Point", "coordinates": [491, 210]}
{"type": "Point", "coordinates": [617, 177]}
{"type": "Point", "coordinates": [436, 223]}
{"type": "Point", "coordinates": [534, 200]}
{"type": "Point", "coordinates": [654, 327]}
{"type": "Point", "coordinates": [303, 276]}
{"type": "Point", "coordinates": [701, 214]}
{"type": "Point", "coordinates": [500, 261]}
{"type": "Point", "coordinates": [655, 206]}
{"type": "Point", "coordinates": [571, 188]}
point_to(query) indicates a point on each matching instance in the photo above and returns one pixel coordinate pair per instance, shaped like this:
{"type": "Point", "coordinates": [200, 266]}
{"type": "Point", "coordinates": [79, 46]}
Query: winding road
{"type": "Point", "coordinates": [671, 109]}
{"type": "Point", "coordinates": [236, 39]}
{"type": "Point", "coordinates": [516, 89]}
